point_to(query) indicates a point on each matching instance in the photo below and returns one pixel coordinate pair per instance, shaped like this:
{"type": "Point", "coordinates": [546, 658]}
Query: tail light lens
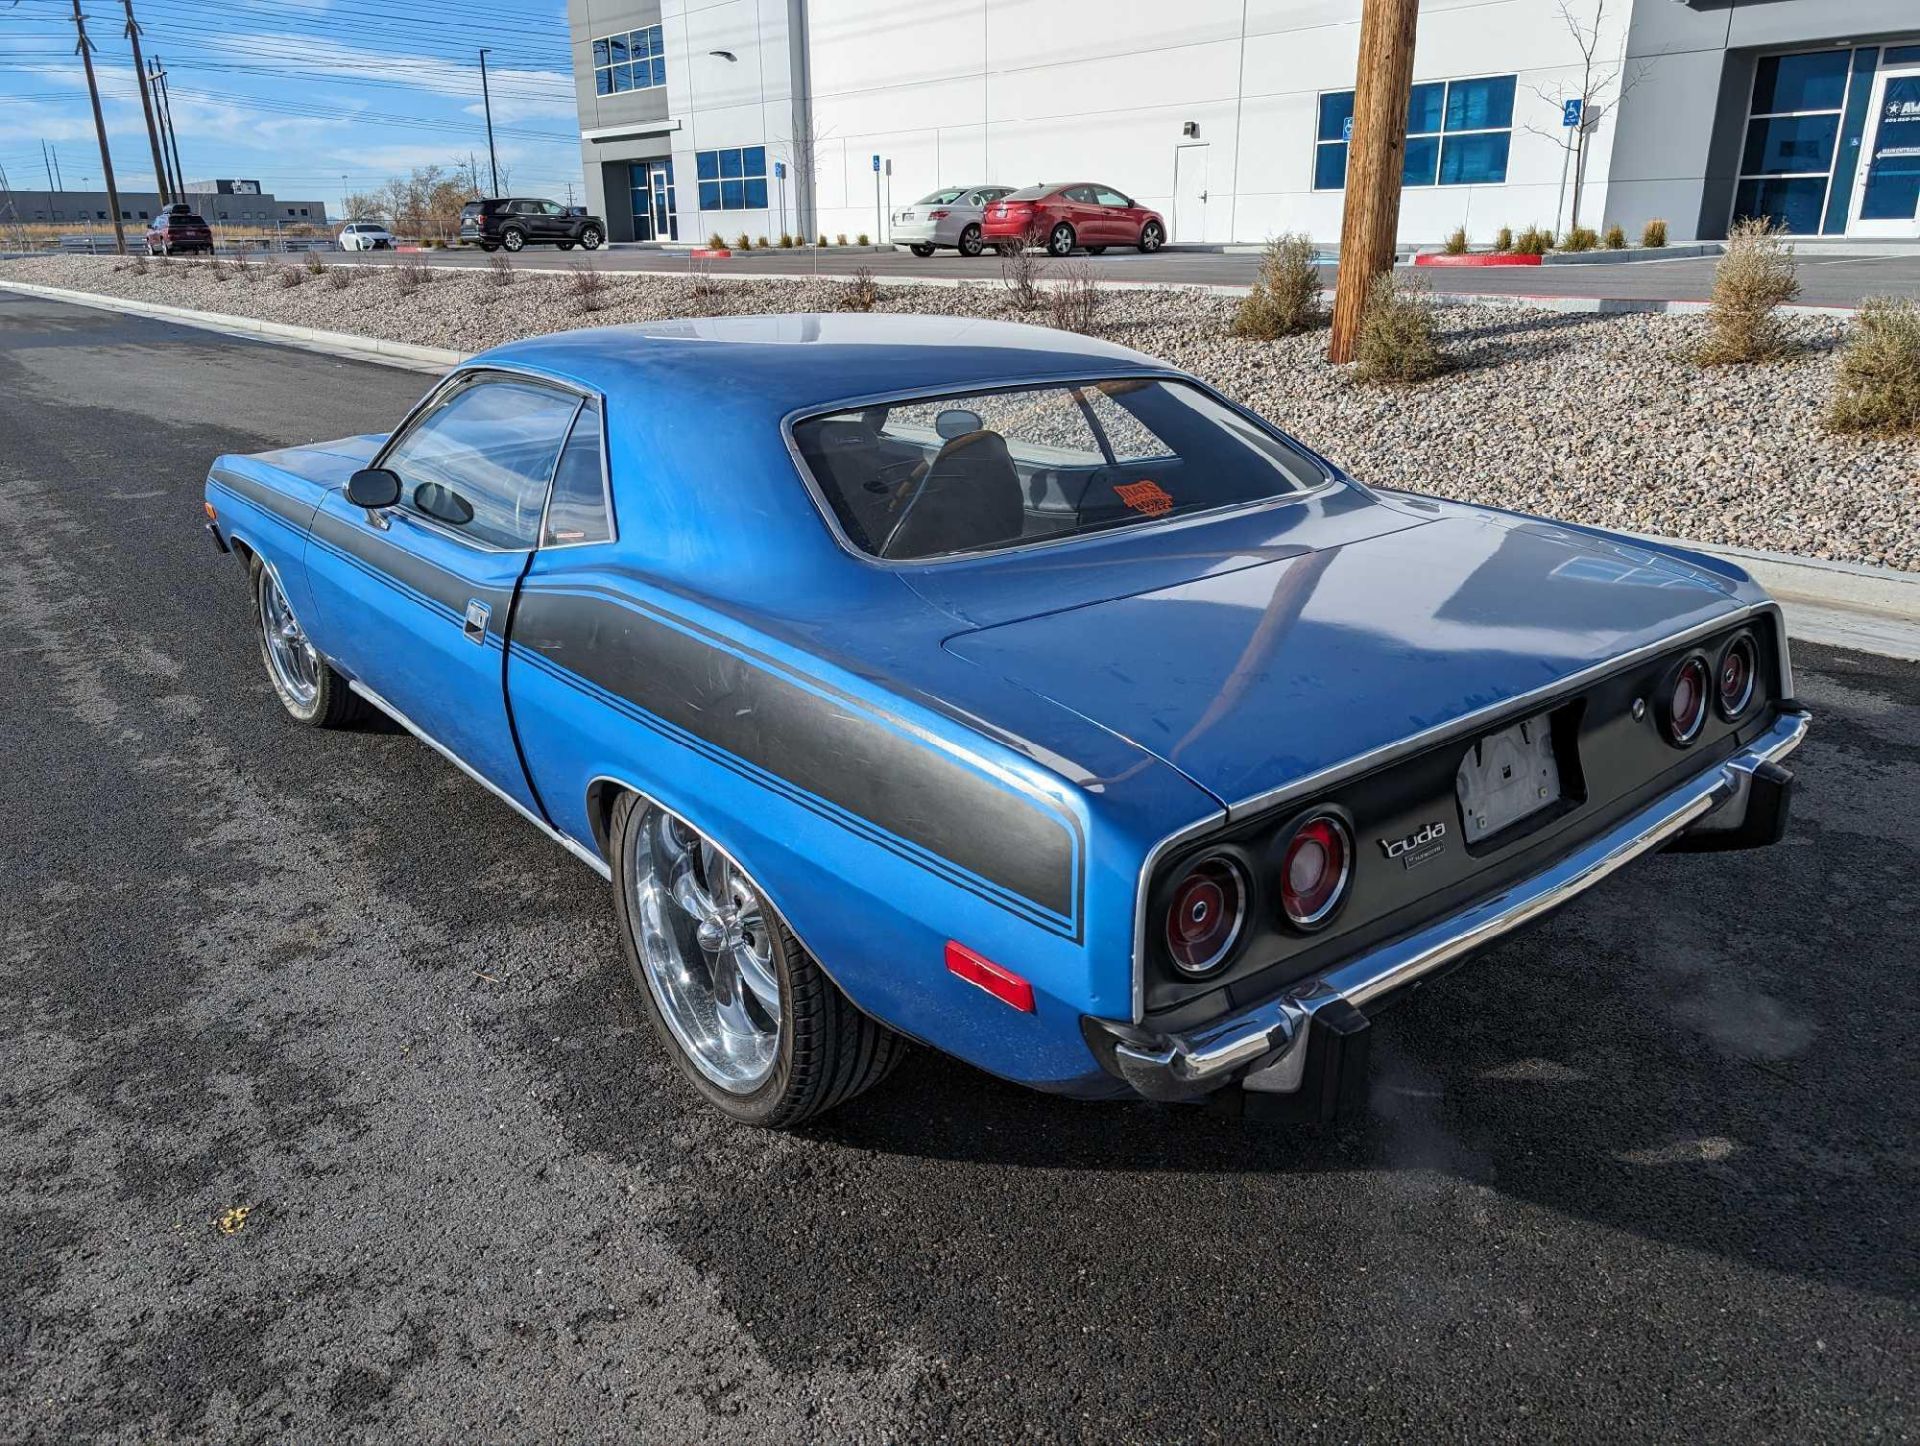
{"type": "Point", "coordinates": [1685, 705]}
{"type": "Point", "coordinates": [1314, 870]}
{"type": "Point", "coordinates": [1733, 679]}
{"type": "Point", "coordinates": [938, 215]}
{"type": "Point", "coordinates": [1206, 914]}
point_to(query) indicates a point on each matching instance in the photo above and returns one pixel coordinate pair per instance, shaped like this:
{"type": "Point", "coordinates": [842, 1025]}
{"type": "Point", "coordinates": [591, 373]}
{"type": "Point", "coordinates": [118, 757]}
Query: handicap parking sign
{"type": "Point", "coordinates": [1570, 113]}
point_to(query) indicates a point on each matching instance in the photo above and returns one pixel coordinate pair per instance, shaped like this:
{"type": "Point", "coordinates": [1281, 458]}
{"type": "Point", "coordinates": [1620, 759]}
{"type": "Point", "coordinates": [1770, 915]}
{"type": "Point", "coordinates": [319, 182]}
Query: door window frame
{"type": "Point", "coordinates": [493, 372]}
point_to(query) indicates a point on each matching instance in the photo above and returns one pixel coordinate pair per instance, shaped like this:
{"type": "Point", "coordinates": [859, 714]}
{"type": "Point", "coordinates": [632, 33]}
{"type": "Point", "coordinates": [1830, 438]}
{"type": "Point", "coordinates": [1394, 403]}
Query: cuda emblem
{"type": "Point", "coordinates": [1145, 496]}
{"type": "Point", "coordinates": [1418, 846]}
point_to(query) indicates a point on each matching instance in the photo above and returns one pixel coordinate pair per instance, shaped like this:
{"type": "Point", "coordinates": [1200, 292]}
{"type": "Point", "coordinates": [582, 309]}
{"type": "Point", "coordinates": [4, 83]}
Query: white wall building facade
{"type": "Point", "coordinates": [1229, 116]}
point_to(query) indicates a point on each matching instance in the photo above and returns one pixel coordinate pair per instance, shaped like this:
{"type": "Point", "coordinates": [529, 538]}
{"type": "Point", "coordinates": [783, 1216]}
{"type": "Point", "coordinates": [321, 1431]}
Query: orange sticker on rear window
{"type": "Point", "coordinates": [1144, 496]}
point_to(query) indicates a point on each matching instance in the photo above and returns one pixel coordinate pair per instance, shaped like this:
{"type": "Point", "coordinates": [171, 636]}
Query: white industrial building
{"type": "Point", "coordinates": [758, 116]}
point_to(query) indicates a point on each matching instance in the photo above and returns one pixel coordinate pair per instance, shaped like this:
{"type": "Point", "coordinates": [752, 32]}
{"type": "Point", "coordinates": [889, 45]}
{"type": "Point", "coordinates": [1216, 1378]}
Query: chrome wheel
{"type": "Point", "coordinates": [296, 667]}
{"type": "Point", "coordinates": [706, 947]}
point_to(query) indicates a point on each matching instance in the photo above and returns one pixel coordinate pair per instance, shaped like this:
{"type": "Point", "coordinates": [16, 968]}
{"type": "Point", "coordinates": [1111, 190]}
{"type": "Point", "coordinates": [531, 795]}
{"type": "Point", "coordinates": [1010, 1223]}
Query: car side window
{"type": "Point", "coordinates": [577, 510]}
{"type": "Point", "coordinates": [1082, 194]}
{"type": "Point", "coordinates": [553, 208]}
{"type": "Point", "coordinates": [1111, 198]}
{"type": "Point", "coordinates": [522, 208]}
{"type": "Point", "coordinates": [479, 462]}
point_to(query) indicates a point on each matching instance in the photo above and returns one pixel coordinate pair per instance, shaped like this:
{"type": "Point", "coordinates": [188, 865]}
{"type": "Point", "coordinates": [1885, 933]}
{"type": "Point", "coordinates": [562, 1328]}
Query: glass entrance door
{"type": "Point", "coordinates": [1886, 194]}
{"type": "Point", "coordinates": [650, 185]}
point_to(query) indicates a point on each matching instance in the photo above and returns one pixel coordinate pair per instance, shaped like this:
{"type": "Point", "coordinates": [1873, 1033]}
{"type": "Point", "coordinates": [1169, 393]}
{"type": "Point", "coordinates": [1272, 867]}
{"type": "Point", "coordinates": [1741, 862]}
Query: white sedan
{"type": "Point", "coordinates": [365, 236]}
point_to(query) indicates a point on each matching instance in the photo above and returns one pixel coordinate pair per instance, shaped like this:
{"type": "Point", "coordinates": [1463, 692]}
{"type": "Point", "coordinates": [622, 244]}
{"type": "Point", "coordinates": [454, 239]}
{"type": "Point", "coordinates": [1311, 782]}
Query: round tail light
{"type": "Point", "coordinates": [1734, 679]}
{"type": "Point", "coordinates": [1686, 703]}
{"type": "Point", "coordinates": [1314, 870]}
{"type": "Point", "coordinates": [1208, 907]}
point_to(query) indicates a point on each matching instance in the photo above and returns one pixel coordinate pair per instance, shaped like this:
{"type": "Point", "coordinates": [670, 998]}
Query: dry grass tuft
{"type": "Point", "coordinates": [1399, 342]}
{"type": "Point", "coordinates": [861, 294]}
{"type": "Point", "coordinates": [1654, 233]}
{"type": "Point", "coordinates": [1580, 238]}
{"type": "Point", "coordinates": [1285, 297]}
{"type": "Point", "coordinates": [1876, 386]}
{"type": "Point", "coordinates": [1616, 238]}
{"type": "Point", "coordinates": [1503, 240]}
{"type": "Point", "coordinates": [1533, 242]}
{"type": "Point", "coordinates": [315, 266]}
{"type": "Point", "coordinates": [1754, 278]}
{"type": "Point", "coordinates": [1456, 242]}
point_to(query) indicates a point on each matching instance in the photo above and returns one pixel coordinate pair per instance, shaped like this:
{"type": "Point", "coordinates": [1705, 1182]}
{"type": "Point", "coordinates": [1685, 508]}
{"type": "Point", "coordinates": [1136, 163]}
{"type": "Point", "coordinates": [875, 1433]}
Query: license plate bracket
{"type": "Point", "coordinates": [1507, 777]}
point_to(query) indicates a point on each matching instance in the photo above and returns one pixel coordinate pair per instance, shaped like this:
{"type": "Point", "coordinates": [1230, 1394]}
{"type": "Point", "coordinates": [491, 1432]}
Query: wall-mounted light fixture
{"type": "Point", "coordinates": [1190, 128]}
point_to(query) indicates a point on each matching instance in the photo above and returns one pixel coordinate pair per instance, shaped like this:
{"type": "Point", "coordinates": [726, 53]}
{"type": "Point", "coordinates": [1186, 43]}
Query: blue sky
{"type": "Point", "coordinates": [295, 93]}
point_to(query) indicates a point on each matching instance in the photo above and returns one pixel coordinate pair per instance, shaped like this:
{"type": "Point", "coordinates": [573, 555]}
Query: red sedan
{"type": "Point", "coordinates": [1075, 214]}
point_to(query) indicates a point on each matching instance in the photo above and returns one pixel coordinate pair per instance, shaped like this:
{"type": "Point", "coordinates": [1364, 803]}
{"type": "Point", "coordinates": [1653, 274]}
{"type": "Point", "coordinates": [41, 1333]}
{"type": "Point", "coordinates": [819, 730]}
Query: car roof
{"type": "Point", "coordinates": [775, 365]}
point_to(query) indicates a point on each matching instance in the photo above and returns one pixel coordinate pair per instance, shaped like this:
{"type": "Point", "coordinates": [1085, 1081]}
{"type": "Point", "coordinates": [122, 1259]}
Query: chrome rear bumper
{"type": "Point", "coordinates": [1266, 1047]}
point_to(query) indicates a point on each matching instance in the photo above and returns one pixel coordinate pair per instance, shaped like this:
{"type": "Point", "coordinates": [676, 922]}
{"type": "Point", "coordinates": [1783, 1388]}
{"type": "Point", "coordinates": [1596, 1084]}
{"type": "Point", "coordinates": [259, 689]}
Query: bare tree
{"type": "Point", "coordinates": [1602, 83]}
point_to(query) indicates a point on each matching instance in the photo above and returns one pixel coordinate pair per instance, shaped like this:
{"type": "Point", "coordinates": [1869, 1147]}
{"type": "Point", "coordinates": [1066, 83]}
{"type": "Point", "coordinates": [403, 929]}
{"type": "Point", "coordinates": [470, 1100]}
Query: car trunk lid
{"type": "Point", "coordinates": [1248, 679]}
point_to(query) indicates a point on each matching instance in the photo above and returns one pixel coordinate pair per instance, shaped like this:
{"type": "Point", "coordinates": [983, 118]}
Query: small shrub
{"type": "Point", "coordinates": [1533, 242]}
{"type": "Point", "coordinates": [339, 278]}
{"type": "Point", "coordinates": [1754, 278]}
{"type": "Point", "coordinates": [412, 273]}
{"type": "Point", "coordinates": [840, 239]}
{"type": "Point", "coordinates": [1020, 273]}
{"type": "Point", "coordinates": [587, 287]}
{"type": "Point", "coordinates": [1456, 244]}
{"type": "Point", "coordinates": [862, 240]}
{"type": "Point", "coordinates": [716, 242]}
{"type": "Point", "coordinates": [1398, 339]}
{"type": "Point", "coordinates": [1876, 387]}
{"type": "Point", "coordinates": [761, 243]}
{"type": "Point", "coordinates": [219, 270]}
{"type": "Point", "coordinates": [138, 266]}
{"type": "Point", "coordinates": [288, 277]}
{"type": "Point", "coordinates": [1285, 297]}
{"type": "Point", "coordinates": [242, 267]}
{"type": "Point", "coordinates": [822, 242]}
{"type": "Point", "coordinates": [1503, 240]}
{"type": "Point", "coordinates": [786, 241]}
{"type": "Point", "coordinates": [1616, 238]}
{"type": "Point", "coordinates": [1580, 238]}
{"type": "Point", "coordinates": [1074, 302]}
{"type": "Point", "coordinates": [314, 265]}
{"type": "Point", "coordinates": [861, 294]}
{"type": "Point", "coordinates": [499, 269]}
{"type": "Point", "coordinates": [705, 290]}
{"type": "Point", "coordinates": [743, 242]}
{"type": "Point", "coordinates": [1654, 233]}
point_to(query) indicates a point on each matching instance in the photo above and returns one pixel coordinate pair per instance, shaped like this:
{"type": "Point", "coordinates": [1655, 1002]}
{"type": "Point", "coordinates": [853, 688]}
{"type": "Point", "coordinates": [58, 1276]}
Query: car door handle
{"type": "Point", "coordinates": [474, 625]}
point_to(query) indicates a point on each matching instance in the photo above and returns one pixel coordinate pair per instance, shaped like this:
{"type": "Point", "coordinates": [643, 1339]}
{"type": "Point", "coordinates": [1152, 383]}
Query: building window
{"type": "Point", "coordinates": [1793, 132]}
{"type": "Point", "coordinates": [734, 180]}
{"type": "Point", "coordinates": [1458, 134]}
{"type": "Point", "coordinates": [636, 60]}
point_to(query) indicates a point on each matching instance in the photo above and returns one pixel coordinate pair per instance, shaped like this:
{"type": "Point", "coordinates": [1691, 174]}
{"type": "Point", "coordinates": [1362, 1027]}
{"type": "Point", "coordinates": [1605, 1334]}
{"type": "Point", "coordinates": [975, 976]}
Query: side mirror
{"type": "Point", "coordinates": [373, 487]}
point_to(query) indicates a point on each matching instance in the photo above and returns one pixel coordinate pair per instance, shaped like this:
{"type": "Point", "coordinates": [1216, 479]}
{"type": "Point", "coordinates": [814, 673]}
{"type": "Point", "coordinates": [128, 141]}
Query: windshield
{"type": "Point", "coordinates": [935, 476]}
{"type": "Point", "coordinates": [941, 198]}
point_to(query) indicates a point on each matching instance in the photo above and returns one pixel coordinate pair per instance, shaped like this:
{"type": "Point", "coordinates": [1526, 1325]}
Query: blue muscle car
{"type": "Point", "coordinates": [1005, 690]}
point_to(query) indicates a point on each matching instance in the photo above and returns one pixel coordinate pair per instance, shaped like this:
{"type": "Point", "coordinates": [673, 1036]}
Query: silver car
{"type": "Point", "coordinates": [947, 217]}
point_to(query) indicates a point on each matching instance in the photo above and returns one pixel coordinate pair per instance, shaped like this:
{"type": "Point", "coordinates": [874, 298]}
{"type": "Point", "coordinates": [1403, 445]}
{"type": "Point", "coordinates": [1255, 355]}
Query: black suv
{"type": "Point", "coordinates": [519, 221]}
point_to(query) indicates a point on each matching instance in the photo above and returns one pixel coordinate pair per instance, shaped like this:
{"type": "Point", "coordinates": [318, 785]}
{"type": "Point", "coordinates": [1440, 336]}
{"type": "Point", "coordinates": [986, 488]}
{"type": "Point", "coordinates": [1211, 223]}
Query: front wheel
{"type": "Point", "coordinates": [1060, 240]}
{"type": "Point", "coordinates": [513, 240]}
{"type": "Point", "coordinates": [921, 250]}
{"type": "Point", "coordinates": [590, 238]}
{"type": "Point", "coordinates": [970, 242]}
{"type": "Point", "coordinates": [749, 1017]}
{"type": "Point", "coordinates": [1152, 238]}
{"type": "Point", "coordinates": [310, 690]}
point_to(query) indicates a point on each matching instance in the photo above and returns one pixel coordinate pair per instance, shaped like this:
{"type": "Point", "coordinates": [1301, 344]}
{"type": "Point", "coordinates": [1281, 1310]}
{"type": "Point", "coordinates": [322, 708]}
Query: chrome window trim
{"type": "Point", "coordinates": [467, 374]}
{"type": "Point", "coordinates": [1332, 478]}
{"type": "Point", "coordinates": [1389, 753]}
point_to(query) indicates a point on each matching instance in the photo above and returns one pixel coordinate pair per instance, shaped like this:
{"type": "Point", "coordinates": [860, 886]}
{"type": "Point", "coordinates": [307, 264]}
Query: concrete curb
{"type": "Point", "coordinates": [334, 343]}
{"type": "Point", "coordinates": [1847, 604]}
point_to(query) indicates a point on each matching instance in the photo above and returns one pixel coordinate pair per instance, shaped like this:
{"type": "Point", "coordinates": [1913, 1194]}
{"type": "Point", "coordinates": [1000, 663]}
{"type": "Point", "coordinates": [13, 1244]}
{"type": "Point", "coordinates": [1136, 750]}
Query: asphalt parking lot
{"type": "Point", "coordinates": [1825, 279]}
{"type": "Point", "coordinates": [326, 1107]}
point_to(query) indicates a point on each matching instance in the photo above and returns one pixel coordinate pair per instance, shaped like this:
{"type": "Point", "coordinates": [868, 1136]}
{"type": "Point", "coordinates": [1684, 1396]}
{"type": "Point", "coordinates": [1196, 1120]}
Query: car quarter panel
{"type": "Point", "coordinates": [880, 823]}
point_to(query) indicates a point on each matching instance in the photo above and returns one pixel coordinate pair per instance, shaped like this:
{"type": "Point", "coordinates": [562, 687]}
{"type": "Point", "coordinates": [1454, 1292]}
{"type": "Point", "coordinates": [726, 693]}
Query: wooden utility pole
{"type": "Point", "coordinates": [100, 125]}
{"type": "Point", "coordinates": [1375, 154]}
{"type": "Point", "coordinates": [166, 123]}
{"type": "Point", "coordinates": [146, 105]}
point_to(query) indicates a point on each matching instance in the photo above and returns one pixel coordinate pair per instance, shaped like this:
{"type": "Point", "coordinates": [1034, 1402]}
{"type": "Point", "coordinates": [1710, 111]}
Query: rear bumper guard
{"type": "Point", "coordinates": [1303, 1054]}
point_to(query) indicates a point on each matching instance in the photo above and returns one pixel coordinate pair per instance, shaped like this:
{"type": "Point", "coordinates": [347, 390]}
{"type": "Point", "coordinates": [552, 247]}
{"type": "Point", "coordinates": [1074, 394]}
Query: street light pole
{"type": "Point", "coordinates": [85, 48]}
{"type": "Point", "coordinates": [486, 100]}
{"type": "Point", "coordinates": [146, 105]}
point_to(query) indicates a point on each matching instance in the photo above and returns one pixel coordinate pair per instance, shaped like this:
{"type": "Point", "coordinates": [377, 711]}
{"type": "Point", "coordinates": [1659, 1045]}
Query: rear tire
{"type": "Point", "coordinates": [306, 685]}
{"type": "Point", "coordinates": [823, 1051]}
{"type": "Point", "coordinates": [1060, 240]}
{"type": "Point", "coordinates": [513, 239]}
{"type": "Point", "coordinates": [921, 250]}
{"type": "Point", "coordinates": [970, 244]}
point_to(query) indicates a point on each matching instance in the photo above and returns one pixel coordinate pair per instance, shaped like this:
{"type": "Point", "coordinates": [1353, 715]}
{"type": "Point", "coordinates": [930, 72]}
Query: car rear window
{"type": "Point", "coordinates": [1029, 193]}
{"type": "Point", "coordinates": [941, 198]}
{"type": "Point", "coordinates": [973, 472]}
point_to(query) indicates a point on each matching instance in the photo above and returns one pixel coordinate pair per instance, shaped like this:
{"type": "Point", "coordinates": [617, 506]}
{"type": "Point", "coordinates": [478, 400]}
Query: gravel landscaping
{"type": "Point", "coordinates": [1589, 418]}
